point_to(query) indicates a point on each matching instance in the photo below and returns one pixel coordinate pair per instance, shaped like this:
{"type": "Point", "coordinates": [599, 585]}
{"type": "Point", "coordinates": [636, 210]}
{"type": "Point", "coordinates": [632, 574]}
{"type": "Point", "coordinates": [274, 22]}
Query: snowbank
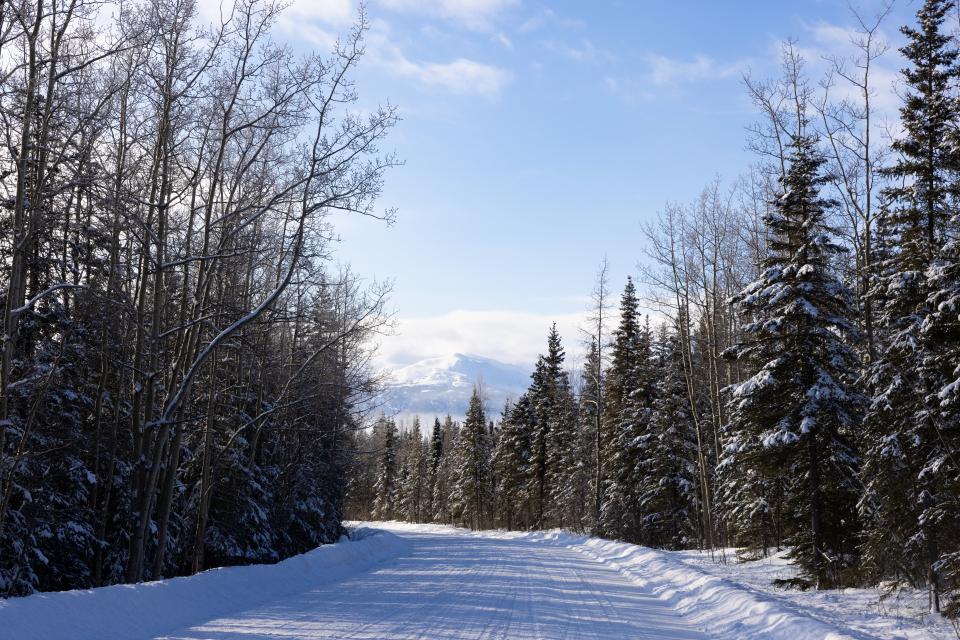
{"type": "Point", "coordinates": [152, 608]}
{"type": "Point", "coordinates": [724, 609]}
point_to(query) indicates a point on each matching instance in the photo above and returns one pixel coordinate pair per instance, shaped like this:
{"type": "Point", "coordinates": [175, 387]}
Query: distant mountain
{"type": "Point", "coordinates": [441, 386]}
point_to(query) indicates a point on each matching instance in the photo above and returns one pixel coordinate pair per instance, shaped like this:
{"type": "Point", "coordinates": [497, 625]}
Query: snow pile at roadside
{"type": "Point", "coordinates": [724, 608]}
{"type": "Point", "coordinates": [903, 614]}
{"type": "Point", "coordinates": [719, 606]}
{"type": "Point", "coordinates": [152, 608]}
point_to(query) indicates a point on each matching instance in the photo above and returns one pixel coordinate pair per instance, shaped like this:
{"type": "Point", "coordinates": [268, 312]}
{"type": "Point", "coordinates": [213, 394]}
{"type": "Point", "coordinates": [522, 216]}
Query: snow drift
{"type": "Point", "coordinates": [720, 607]}
{"type": "Point", "coordinates": [120, 612]}
{"type": "Point", "coordinates": [724, 609]}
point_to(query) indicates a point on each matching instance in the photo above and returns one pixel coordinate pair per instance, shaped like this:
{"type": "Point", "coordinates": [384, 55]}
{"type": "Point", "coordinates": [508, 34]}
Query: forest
{"type": "Point", "coordinates": [183, 361]}
{"type": "Point", "coordinates": [797, 383]}
{"type": "Point", "coordinates": [188, 375]}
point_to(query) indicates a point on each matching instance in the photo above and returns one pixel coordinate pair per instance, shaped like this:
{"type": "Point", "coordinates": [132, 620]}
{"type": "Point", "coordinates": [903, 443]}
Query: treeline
{"type": "Point", "coordinates": [182, 365]}
{"type": "Point", "coordinates": [803, 389]}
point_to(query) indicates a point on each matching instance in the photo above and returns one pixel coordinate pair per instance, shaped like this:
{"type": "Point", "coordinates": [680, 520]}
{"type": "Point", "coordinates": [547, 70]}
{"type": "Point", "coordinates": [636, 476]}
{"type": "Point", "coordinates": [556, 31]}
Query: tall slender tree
{"type": "Point", "coordinates": [473, 487]}
{"type": "Point", "coordinates": [904, 504]}
{"type": "Point", "coordinates": [626, 411]}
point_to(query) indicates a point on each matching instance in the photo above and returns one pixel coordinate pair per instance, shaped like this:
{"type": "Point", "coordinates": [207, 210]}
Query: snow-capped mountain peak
{"type": "Point", "coordinates": [442, 385]}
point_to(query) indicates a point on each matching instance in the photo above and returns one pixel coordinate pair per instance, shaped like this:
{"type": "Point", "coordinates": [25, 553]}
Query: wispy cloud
{"type": "Point", "coordinates": [662, 75]}
{"type": "Point", "coordinates": [584, 51]}
{"type": "Point", "coordinates": [663, 71]}
{"type": "Point", "coordinates": [330, 11]}
{"type": "Point", "coordinates": [549, 18]}
{"type": "Point", "coordinates": [461, 76]}
{"type": "Point", "coordinates": [474, 14]}
{"type": "Point", "coordinates": [508, 336]}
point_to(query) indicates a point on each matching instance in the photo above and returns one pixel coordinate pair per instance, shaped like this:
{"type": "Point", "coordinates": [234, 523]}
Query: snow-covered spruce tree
{"type": "Point", "coordinates": [794, 416]}
{"type": "Point", "coordinates": [626, 412]}
{"type": "Point", "coordinates": [565, 458]}
{"type": "Point", "coordinates": [472, 492]}
{"type": "Point", "coordinates": [668, 462]}
{"type": "Point", "coordinates": [384, 507]}
{"type": "Point", "coordinates": [400, 502]}
{"type": "Point", "coordinates": [434, 456]}
{"type": "Point", "coordinates": [548, 394]}
{"type": "Point", "coordinates": [512, 464]}
{"type": "Point", "coordinates": [414, 488]}
{"type": "Point", "coordinates": [907, 504]}
{"type": "Point", "coordinates": [941, 340]}
{"type": "Point", "coordinates": [589, 406]}
{"type": "Point", "coordinates": [444, 476]}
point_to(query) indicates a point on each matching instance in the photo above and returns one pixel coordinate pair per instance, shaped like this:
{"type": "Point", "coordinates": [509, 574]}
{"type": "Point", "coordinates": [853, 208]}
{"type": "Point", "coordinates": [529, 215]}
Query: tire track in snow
{"type": "Point", "coordinates": [455, 585]}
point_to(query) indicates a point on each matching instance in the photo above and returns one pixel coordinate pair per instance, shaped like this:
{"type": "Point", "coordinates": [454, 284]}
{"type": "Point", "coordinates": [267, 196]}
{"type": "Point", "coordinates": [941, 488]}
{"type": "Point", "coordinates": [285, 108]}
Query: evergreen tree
{"type": "Point", "coordinates": [547, 397]}
{"type": "Point", "coordinates": [472, 489]}
{"type": "Point", "coordinates": [668, 470]}
{"type": "Point", "coordinates": [795, 414]}
{"type": "Point", "coordinates": [385, 489]}
{"type": "Point", "coordinates": [416, 491]}
{"type": "Point", "coordinates": [591, 426]}
{"type": "Point", "coordinates": [445, 474]}
{"type": "Point", "coordinates": [626, 412]}
{"type": "Point", "coordinates": [434, 458]}
{"type": "Point", "coordinates": [907, 501]}
{"type": "Point", "coordinates": [512, 464]}
{"type": "Point", "coordinates": [564, 457]}
{"type": "Point", "coordinates": [941, 340]}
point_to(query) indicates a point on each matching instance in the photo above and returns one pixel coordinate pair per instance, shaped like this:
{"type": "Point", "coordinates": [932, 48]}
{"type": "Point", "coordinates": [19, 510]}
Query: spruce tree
{"type": "Point", "coordinates": [626, 411]}
{"type": "Point", "coordinates": [564, 458]}
{"type": "Point", "coordinates": [443, 456]}
{"type": "Point", "coordinates": [434, 457]}
{"type": "Point", "coordinates": [415, 481]}
{"type": "Point", "coordinates": [907, 503]}
{"type": "Point", "coordinates": [512, 464]}
{"type": "Point", "coordinates": [591, 425]}
{"type": "Point", "coordinates": [668, 493]}
{"type": "Point", "coordinates": [472, 490]}
{"type": "Point", "coordinates": [941, 340]}
{"type": "Point", "coordinates": [548, 394]}
{"type": "Point", "coordinates": [795, 414]}
{"type": "Point", "coordinates": [385, 488]}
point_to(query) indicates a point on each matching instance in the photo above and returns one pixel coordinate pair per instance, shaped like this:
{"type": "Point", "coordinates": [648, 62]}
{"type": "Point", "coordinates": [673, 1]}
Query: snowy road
{"type": "Point", "coordinates": [456, 585]}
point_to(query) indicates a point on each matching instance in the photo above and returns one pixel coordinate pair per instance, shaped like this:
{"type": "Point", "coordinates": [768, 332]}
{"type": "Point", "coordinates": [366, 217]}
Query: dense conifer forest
{"type": "Point", "coordinates": [187, 375]}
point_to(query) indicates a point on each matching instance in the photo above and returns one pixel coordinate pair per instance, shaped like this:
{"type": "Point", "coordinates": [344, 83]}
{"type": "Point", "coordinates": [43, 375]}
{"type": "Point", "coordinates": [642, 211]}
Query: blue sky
{"type": "Point", "coordinates": [539, 135]}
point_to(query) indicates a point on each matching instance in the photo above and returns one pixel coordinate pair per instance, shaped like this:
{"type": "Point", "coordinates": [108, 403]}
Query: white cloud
{"type": "Point", "coordinates": [508, 336]}
{"type": "Point", "coordinates": [664, 75]}
{"type": "Point", "coordinates": [476, 14]}
{"type": "Point", "coordinates": [504, 41]}
{"type": "Point", "coordinates": [586, 51]}
{"type": "Point", "coordinates": [337, 12]}
{"type": "Point", "coordinates": [460, 76]}
{"type": "Point", "coordinates": [333, 12]}
{"type": "Point", "coordinates": [664, 71]}
{"type": "Point", "coordinates": [321, 22]}
{"type": "Point", "coordinates": [547, 18]}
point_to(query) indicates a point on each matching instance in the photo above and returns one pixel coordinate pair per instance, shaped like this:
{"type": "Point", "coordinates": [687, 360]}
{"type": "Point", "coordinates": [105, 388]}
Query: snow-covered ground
{"type": "Point", "coordinates": [404, 581]}
{"type": "Point", "coordinates": [902, 614]}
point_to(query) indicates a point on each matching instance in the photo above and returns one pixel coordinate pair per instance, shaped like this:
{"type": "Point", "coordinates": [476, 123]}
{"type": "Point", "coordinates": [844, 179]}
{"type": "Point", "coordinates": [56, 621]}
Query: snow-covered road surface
{"type": "Point", "coordinates": [451, 584]}
{"type": "Point", "coordinates": [395, 581]}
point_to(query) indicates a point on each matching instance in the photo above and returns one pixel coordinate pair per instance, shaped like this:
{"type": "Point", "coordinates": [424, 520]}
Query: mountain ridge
{"type": "Point", "coordinates": [442, 385]}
